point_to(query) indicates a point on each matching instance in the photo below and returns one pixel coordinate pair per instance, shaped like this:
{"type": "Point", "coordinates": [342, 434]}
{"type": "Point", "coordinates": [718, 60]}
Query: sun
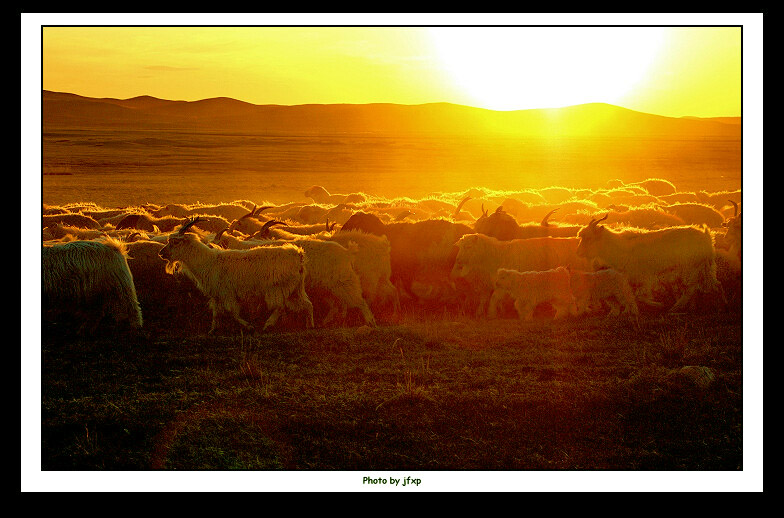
{"type": "Point", "coordinates": [508, 68]}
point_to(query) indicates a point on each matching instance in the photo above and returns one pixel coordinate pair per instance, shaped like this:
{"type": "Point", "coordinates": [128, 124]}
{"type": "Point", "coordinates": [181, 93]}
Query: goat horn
{"type": "Point", "coordinates": [219, 234]}
{"type": "Point", "coordinates": [269, 223]}
{"type": "Point", "coordinates": [460, 205]}
{"type": "Point", "coordinates": [594, 222]}
{"type": "Point", "coordinates": [263, 207]}
{"type": "Point", "coordinates": [249, 214]}
{"type": "Point", "coordinates": [736, 208]}
{"type": "Point", "coordinates": [189, 224]}
{"type": "Point", "coordinates": [544, 222]}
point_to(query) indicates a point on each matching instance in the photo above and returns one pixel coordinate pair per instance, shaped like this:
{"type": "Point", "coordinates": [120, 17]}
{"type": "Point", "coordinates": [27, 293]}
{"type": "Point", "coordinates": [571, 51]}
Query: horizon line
{"type": "Point", "coordinates": [392, 103]}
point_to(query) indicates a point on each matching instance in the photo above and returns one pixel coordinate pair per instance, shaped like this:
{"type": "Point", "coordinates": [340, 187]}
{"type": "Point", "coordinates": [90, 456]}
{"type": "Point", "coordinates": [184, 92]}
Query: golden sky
{"type": "Point", "coordinates": [673, 71]}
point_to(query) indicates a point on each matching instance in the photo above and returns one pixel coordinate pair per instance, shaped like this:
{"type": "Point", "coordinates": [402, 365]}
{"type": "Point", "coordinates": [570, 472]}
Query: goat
{"type": "Point", "coordinates": [249, 223]}
{"type": "Point", "coordinates": [163, 296]}
{"type": "Point", "coordinates": [696, 214]}
{"type": "Point", "coordinates": [329, 272]}
{"type": "Point", "coordinates": [655, 186]}
{"type": "Point", "coordinates": [274, 274]}
{"type": "Point", "coordinates": [479, 257]}
{"type": "Point", "coordinates": [228, 211]}
{"type": "Point", "coordinates": [603, 287]}
{"type": "Point", "coordinates": [70, 219]}
{"type": "Point", "coordinates": [373, 266]}
{"type": "Point", "coordinates": [321, 195]}
{"type": "Point", "coordinates": [427, 245]}
{"type": "Point", "coordinates": [89, 279]}
{"type": "Point", "coordinates": [504, 227]}
{"type": "Point", "coordinates": [149, 223]}
{"type": "Point", "coordinates": [679, 258]}
{"type": "Point", "coordinates": [531, 288]}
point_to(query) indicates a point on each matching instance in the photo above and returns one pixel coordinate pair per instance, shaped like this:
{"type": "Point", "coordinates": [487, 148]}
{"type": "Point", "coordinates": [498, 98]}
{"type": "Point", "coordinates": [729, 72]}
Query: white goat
{"type": "Point", "coordinates": [529, 289]}
{"type": "Point", "coordinates": [479, 257]}
{"type": "Point", "coordinates": [593, 289]}
{"type": "Point", "coordinates": [373, 266]}
{"type": "Point", "coordinates": [229, 211]}
{"type": "Point", "coordinates": [90, 279]}
{"type": "Point", "coordinates": [680, 259]}
{"type": "Point", "coordinates": [330, 275]}
{"type": "Point", "coordinates": [321, 195]}
{"type": "Point", "coordinates": [273, 274]}
{"type": "Point", "coordinates": [71, 219]}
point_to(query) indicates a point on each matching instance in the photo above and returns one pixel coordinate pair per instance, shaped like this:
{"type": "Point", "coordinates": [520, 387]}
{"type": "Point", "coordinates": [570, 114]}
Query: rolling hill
{"type": "Point", "coordinates": [222, 114]}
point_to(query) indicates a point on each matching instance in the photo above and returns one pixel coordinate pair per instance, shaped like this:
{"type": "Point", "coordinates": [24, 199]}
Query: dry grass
{"type": "Point", "coordinates": [455, 394]}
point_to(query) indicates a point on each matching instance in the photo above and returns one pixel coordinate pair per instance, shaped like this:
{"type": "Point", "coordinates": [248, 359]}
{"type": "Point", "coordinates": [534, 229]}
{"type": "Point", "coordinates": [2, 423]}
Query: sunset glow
{"type": "Point", "coordinates": [673, 71]}
{"type": "Point", "coordinates": [503, 67]}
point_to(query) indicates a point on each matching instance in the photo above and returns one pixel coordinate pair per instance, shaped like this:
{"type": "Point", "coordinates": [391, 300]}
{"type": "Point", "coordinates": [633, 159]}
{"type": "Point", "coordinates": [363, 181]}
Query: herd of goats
{"type": "Point", "coordinates": [613, 252]}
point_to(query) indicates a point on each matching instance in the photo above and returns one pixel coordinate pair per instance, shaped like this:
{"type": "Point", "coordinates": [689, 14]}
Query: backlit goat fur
{"type": "Point", "coordinates": [274, 275]}
{"type": "Point", "coordinates": [415, 247]}
{"type": "Point", "coordinates": [531, 288]}
{"type": "Point", "coordinates": [479, 257]}
{"type": "Point", "coordinates": [321, 195]}
{"type": "Point", "coordinates": [501, 225]}
{"type": "Point", "coordinates": [89, 279]}
{"type": "Point", "coordinates": [330, 277]}
{"type": "Point", "coordinates": [594, 290]}
{"type": "Point", "coordinates": [679, 259]}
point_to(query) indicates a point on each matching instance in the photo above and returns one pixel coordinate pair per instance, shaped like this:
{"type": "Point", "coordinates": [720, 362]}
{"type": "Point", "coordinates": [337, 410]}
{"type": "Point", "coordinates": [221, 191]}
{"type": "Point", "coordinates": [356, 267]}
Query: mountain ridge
{"type": "Point", "coordinates": [438, 118]}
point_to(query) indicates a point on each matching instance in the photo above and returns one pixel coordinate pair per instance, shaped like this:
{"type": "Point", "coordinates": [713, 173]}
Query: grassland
{"type": "Point", "coordinates": [424, 394]}
{"type": "Point", "coordinates": [435, 392]}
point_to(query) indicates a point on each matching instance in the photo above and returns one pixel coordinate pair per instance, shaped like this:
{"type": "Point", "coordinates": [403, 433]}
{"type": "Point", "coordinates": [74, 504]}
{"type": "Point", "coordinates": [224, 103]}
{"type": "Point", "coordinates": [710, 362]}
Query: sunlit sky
{"type": "Point", "coordinates": [672, 71]}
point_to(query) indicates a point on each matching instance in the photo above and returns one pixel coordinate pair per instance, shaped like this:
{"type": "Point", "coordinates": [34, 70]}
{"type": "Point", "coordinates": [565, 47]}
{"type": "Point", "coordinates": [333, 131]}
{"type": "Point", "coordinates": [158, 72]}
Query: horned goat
{"type": "Point", "coordinates": [249, 223]}
{"type": "Point", "coordinates": [504, 227]}
{"type": "Point", "coordinates": [680, 259]}
{"type": "Point", "coordinates": [273, 274]}
{"type": "Point", "coordinates": [330, 277]}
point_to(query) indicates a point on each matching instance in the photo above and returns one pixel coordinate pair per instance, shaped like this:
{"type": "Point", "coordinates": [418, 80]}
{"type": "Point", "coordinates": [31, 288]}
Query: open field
{"type": "Point", "coordinates": [427, 394]}
{"type": "Point", "coordinates": [436, 390]}
{"type": "Point", "coordinates": [127, 167]}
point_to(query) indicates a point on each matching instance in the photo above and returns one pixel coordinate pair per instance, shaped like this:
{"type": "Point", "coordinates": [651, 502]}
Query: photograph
{"type": "Point", "coordinates": [443, 252]}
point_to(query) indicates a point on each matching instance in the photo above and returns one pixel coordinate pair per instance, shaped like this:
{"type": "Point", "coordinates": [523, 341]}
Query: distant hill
{"type": "Point", "coordinates": [725, 120]}
{"type": "Point", "coordinates": [222, 114]}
